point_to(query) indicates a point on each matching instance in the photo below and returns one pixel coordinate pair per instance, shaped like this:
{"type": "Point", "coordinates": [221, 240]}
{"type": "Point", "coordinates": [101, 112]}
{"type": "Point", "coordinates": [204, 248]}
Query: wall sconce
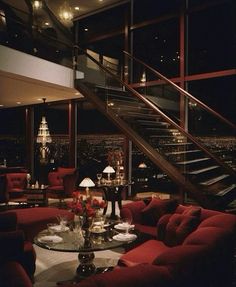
{"type": "Point", "coordinates": [87, 182]}
{"type": "Point", "coordinates": [109, 169]}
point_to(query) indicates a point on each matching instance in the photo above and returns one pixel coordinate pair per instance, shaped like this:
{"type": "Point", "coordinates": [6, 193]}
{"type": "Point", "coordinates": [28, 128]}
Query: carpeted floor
{"type": "Point", "coordinates": [53, 267]}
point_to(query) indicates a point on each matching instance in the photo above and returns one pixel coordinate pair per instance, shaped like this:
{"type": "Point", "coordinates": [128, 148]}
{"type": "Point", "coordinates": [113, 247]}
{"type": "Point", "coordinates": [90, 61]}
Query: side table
{"type": "Point", "coordinates": [113, 193]}
{"type": "Point", "coordinates": [37, 195]}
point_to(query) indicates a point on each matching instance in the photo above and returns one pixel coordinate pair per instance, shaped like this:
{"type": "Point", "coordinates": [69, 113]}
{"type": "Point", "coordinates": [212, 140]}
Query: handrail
{"type": "Point", "coordinates": [157, 110]}
{"type": "Point", "coordinates": [182, 91]}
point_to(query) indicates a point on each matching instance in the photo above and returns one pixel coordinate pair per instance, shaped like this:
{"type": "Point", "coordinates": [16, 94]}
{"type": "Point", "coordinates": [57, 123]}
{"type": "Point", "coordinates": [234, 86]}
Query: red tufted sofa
{"type": "Point", "coordinates": [185, 246]}
{"type": "Point", "coordinates": [33, 220]}
{"type": "Point", "coordinates": [17, 255]}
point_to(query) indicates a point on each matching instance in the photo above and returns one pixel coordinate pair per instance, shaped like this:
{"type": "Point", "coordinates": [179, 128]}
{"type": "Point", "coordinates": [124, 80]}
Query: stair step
{"type": "Point", "coordinates": [193, 160]}
{"type": "Point", "coordinates": [142, 115]}
{"type": "Point", "coordinates": [198, 171]}
{"type": "Point", "coordinates": [214, 180]}
{"type": "Point", "coordinates": [176, 144]}
{"type": "Point", "coordinates": [183, 152]}
{"type": "Point", "coordinates": [158, 129]}
{"type": "Point", "coordinates": [226, 190]}
{"type": "Point", "coordinates": [152, 123]}
{"type": "Point", "coordinates": [168, 136]}
{"type": "Point", "coordinates": [132, 108]}
{"type": "Point", "coordinates": [127, 103]}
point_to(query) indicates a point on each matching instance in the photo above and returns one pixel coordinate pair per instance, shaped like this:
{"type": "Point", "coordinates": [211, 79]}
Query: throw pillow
{"type": "Point", "coordinates": [156, 208]}
{"type": "Point", "coordinates": [179, 227]}
{"type": "Point", "coordinates": [192, 211]}
{"type": "Point", "coordinates": [161, 226]}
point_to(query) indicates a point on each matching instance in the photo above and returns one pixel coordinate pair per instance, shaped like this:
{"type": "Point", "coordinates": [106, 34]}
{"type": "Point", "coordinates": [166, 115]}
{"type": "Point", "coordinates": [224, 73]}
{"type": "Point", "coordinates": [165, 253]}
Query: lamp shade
{"type": "Point", "coordinates": [109, 169]}
{"type": "Point", "coordinates": [87, 182]}
{"type": "Point", "coordinates": [142, 165]}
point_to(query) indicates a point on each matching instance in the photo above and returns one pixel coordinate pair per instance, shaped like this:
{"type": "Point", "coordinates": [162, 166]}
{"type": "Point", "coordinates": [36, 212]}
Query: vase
{"type": "Point", "coordinates": [85, 226]}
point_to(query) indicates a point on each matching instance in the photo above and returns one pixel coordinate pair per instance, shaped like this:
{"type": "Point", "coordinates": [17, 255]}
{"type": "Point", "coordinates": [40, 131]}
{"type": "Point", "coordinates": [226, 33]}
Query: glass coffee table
{"type": "Point", "coordinates": [70, 241]}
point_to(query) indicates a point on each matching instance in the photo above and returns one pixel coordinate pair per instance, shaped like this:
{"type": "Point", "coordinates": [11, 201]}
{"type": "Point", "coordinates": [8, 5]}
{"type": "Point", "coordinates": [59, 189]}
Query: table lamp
{"type": "Point", "coordinates": [87, 182]}
{"type": "Point", "coordinates": [109, 169]}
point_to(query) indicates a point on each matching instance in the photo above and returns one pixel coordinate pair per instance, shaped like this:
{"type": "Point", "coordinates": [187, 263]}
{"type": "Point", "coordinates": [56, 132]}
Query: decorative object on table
{"type": "Point", "coordinates": [28, 178]}
{"type": "Point", "coordinates": [87, 182]}
{"type": "Point", "coordinates": [99, 177]}
{"type": "Point", "coordinates": [86, 208]}
{"type": "Point", "coordinates": [43, 138]}
{"type": "Point", "coordinates": [109, 169]}
{"type": "Point", "coordinates": [115, 157]}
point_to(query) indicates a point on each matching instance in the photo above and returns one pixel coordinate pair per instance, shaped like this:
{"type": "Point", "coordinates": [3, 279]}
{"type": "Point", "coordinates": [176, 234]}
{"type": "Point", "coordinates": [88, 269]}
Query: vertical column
{"type": "Point", "coordinates": [72, 133]}
{"type": "Point", "coordinates": [126, 46]}
{"type": "Point", "coordinates": [29, 136]}
{"type": "Point", "coordinates": [182, 68]}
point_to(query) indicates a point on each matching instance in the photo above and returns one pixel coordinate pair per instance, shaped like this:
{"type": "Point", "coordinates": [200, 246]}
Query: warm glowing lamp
{"type": "Point", "coordinates": [87, 182]}
{"type": "Point", "coordinates": [109, 169]}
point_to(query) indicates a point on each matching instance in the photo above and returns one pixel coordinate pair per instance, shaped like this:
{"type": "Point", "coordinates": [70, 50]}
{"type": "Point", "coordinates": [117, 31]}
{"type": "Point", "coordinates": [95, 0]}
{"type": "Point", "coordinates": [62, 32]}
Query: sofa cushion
{"type": "Point", "coordinates": [161, 226]}
{"type": "Point", "coordinates": [138, 276]}
{"type": "Point", "coordinates": [179, 227]}
{"type": "Point", "coordinates": [210, 236]}
{"type": "Point", "coordinates": [156, 208]}
{"type": "Point", "coordinates": [35, 219]}
{"type": "Point", "coordinates": [192, 211]}
{"type": "Point", "coordinates": [144, 253]}
{"type": "Point", "coordinates": [185, 263]}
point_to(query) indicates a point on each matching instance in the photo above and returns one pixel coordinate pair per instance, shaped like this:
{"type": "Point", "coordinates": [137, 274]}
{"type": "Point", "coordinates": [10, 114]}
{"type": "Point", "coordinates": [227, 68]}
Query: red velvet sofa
{"type": "Point", "coordinates": [17, 256]}
{"type": "Point", "coordinates": [33, 220]}
{"type": "Point", "coordinates": [185, 246]}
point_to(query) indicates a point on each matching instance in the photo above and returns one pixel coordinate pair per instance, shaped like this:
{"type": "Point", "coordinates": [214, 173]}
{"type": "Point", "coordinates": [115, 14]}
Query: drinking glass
{"type": "Point", "coordinates": [122, 176]}
{"type": "Point", "coordinates": [127, 223]}
{"type": "Point", "coordinates": [99, 177]}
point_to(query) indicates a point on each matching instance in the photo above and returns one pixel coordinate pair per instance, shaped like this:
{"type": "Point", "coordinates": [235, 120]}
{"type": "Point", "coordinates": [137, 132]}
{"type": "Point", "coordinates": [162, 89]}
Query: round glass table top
{"type": "Point", "coordinates": [72, 241]}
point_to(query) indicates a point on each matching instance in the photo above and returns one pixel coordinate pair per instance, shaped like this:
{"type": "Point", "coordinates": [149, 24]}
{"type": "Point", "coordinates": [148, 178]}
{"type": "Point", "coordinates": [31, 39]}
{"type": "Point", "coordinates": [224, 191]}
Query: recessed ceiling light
{"type": "Point", "coordinates": [1, 105]}
{"type": "Point", "coordinates": [18, 103]}
{"type": "Point", "coordinates": [77, 8]}
{"type": "Point", "coordinates": [46, 24]}
{"type": "Point", "coordinates": [100, 0]}
{"type": "Point", "coordinates": [86, 29]}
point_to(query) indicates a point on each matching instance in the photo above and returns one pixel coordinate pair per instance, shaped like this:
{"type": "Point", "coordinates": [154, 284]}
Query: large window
{"type": "Point", "coordinates": [158, 46]}
{"type": "Point", "coordinates": [12, 137]}
{"type": "Point", "coordinates": [212, 39]}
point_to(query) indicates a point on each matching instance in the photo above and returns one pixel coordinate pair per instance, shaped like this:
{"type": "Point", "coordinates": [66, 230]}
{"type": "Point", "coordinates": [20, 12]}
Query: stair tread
{"type": "Point", "coordinates": [214, 180]}
{"type": "Point", "coordinates": [135, 114]}
{"type": "Point", "coordinates": [176, 144]}
{"type": "Point", "coordinates": [198, 171]}
{"type": "Point", "coordinates": [226, 190]}
{"type": "Point", "coordinates": [152, 123]}
{"type": "Point", "coordinates": [193, 160]}
{"type": "Point", "coordinates": [168, 136]}
{"type": "Point", "coordinates": [183, 152]}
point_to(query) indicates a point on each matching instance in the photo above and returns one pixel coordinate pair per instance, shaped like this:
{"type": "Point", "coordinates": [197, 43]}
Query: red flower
{"type": "Point", "coordinates": [88, 206]}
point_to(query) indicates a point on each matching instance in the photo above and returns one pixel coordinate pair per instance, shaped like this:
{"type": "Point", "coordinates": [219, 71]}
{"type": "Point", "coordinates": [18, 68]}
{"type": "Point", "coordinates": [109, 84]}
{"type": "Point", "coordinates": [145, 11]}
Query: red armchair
{"type": "Point", "coordinates": [62, 183]}
{"type": "Point", "coordinates": [16, 184]}
{"type": "Point", "coordinates": [14, 248]}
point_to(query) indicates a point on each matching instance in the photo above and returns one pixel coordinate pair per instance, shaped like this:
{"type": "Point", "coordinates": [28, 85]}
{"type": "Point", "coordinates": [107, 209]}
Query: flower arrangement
{"type": "Point", "coordinates": [85, 206]}
{"type": "Point", "coordinates": [115, 157]}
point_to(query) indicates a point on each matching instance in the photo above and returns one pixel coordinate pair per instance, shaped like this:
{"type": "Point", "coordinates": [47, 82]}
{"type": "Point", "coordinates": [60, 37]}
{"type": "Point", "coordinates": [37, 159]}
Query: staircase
{"type": "Point", "coordinates": [202, 171]}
